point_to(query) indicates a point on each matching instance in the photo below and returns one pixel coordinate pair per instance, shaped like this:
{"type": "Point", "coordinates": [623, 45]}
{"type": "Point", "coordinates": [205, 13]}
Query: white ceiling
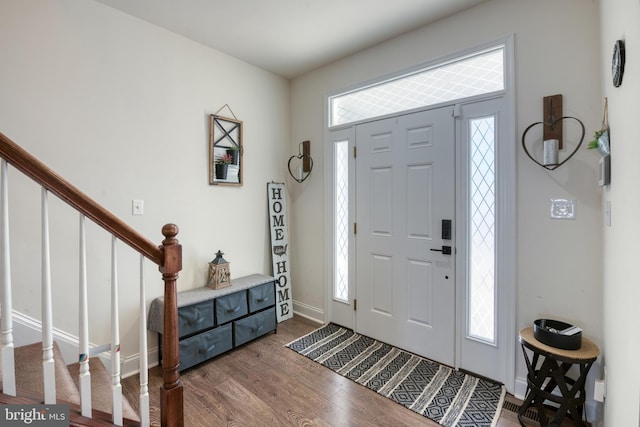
{"type": "Point", "coordinates": [290, 37]}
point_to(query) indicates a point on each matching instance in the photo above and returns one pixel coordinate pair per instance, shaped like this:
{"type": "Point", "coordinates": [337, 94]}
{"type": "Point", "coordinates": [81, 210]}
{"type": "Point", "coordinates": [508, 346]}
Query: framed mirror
{"type": "Point", "coordinates": [225, 151]}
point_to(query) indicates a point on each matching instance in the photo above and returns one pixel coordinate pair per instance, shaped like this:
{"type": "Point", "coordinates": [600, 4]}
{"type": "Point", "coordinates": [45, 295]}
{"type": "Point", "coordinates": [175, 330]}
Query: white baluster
{"type": "Point", "coordinates": [84, 375]}
{"type": "Point", "coordinates": [48, 367]}
{"type": "Point", "coordinates": [144, 363]}
{"type": "Point", "coordinates": [116, 387]}
{"type": "Point", "coordinates": [7, 346]}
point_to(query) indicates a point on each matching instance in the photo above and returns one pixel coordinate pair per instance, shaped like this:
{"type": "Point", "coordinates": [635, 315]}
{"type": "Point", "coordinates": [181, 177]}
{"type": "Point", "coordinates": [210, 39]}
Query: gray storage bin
{"type": "Point", "coordinates": [251, 327]}
{"type": "Point", "coordinates": [230, 307]}
{"type": "Point", "coordinates": [205, 346]}
{"type": "Point", "coordinates": [194, 318]}
{"type": "Point", "coordinates": [261, 297]}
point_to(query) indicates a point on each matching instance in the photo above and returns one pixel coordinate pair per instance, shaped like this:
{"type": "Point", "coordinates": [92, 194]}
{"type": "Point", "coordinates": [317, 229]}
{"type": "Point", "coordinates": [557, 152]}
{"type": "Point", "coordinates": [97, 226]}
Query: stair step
{"type": "Point", "coordinates": [30, 385]}
{"type": "Point", "coordinates": [29, 376]}
{"type": "Point", "coordinates": [27, 397]}
{"type": "Point", "coordinates": [101, 396]}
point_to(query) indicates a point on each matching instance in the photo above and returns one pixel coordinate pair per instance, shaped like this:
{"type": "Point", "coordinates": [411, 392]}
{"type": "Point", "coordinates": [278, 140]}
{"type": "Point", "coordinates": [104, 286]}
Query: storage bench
{"type": "Point", "coordinates": [213, 321]}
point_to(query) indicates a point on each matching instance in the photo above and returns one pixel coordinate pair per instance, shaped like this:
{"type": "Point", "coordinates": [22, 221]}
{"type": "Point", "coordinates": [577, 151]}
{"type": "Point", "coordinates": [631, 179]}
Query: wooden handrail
{"type": "Point", "coordinates": [168, 257]}
{"type": "Point", "coordinates": [26, 163]}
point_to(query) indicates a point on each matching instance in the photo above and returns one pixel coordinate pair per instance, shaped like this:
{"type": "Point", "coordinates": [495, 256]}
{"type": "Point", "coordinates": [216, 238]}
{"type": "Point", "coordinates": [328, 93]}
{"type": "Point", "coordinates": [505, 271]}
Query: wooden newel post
{"type": "Point", "coordinates": [171, 398]}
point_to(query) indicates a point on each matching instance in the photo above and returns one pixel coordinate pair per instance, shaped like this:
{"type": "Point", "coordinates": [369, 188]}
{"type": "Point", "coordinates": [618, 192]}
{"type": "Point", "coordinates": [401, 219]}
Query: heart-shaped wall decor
{"type": "Point", "coordinates": [552, 167]}
{"type": "Point", "coordinates": [298, 165]}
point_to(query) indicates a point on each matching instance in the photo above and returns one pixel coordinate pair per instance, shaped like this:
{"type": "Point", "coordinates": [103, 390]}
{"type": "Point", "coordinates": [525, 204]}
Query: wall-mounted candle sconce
{"type": "Point", "coordinates": [304, 165]}
{"type": "Point", "coordinates": [552, 134]}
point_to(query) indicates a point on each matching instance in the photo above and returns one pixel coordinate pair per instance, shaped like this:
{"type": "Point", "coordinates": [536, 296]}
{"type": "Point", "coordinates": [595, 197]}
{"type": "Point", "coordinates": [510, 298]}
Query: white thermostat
{"type": "Point", "coordinates": [563, 209]}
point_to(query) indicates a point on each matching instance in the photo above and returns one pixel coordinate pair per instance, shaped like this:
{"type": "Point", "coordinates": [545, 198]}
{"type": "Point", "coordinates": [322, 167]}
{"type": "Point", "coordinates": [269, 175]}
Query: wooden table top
{"type": "Point", "coordinates": [588, 349]}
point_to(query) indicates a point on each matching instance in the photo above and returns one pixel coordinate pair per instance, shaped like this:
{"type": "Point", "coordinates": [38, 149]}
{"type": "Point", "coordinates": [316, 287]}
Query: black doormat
{"type": "Point", "coordinates": [440, 393]}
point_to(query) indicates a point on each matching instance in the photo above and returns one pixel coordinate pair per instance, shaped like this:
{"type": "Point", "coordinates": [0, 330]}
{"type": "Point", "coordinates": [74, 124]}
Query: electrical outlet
{"type": "Point", "coordinates": [137, 207]}
{"type": "Point", "coordinates": [599, 390]}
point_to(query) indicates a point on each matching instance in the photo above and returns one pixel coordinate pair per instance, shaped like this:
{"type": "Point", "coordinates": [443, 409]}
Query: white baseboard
{"type": "Point", "coordinates": [27, 330]}
{"type": "Point", "coordinates": [520, 388]}
{"type": "Point", "coordinates": [309, 312]}
{"type": "Point", "coordinates": [131, 365]}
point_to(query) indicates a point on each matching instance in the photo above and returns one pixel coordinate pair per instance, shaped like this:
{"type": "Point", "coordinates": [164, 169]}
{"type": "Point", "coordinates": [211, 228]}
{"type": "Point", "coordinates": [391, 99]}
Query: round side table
{"type": "Point", "coordinates": [555, 364]}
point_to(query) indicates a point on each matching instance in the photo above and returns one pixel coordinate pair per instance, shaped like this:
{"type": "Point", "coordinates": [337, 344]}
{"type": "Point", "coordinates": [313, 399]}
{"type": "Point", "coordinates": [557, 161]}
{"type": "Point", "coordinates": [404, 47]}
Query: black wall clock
{"type": "Point", "coordinates": [617, 63]}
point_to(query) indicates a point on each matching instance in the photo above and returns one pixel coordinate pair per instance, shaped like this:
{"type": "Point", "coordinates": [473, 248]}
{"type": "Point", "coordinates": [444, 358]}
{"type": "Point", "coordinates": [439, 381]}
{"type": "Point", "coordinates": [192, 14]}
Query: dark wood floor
{"type": "Point", "coordinates": [265, 384]}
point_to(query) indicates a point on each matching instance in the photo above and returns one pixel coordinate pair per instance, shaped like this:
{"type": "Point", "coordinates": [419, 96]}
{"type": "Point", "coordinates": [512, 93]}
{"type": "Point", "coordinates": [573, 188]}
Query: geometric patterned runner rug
{"type": "Point", "coordinates": [444, 395]}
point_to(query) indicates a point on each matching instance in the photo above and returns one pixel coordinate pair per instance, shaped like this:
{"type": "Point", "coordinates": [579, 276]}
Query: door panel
{"type": "Point", "coordinates": [418, 221]}
{"type": "Point", "coordinates": [381, 199]}
{"type": "Point", "coordinates": [405, 186]}
{"type": "Point", "coordinates": [420, 296]}
{"type": "Point", "coordinates": [381, 290]}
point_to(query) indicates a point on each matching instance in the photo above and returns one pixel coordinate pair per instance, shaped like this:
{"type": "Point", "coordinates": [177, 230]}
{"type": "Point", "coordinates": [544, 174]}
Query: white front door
{"type": "Point", "coordinates": [405, 188]}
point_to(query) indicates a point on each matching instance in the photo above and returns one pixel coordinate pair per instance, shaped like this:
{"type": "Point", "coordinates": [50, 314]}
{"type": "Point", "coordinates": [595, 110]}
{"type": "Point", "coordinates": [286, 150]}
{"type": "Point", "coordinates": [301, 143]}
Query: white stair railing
{"type": "Point", "coordinates": [6, 301]}
{"type": "Point", "coordinates": [144, 362]}
{"type": "Point", "coordinates": [48, 364]}
{"type": "Point", "coordinates": [167, 256]}
{"type": "Point", "coordinates": [84, 376]}
{"type": "Point", "coordinates": [116, 387]}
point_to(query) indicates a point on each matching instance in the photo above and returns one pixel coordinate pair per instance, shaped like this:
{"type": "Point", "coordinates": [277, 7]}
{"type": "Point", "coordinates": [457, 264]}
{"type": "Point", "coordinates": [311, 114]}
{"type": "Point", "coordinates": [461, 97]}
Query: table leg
{"type": "Point", "coordinates": [535, 382]}
{"type": "Point", "coordinates": [571, 399]}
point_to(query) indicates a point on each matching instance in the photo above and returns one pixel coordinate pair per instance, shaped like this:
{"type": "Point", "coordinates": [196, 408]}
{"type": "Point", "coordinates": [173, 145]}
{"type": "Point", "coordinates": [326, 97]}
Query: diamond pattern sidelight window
{"type": "Point", "coordinates": [482, 292]}
{"type": "Point", "coordinates": [477, 74]}
{"type": "Point", "coordinates": [341, 237]}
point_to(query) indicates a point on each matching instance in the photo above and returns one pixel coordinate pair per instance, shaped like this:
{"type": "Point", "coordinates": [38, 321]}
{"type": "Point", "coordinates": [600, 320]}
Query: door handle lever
{"type": "Point", "coordinates": [446, 250]}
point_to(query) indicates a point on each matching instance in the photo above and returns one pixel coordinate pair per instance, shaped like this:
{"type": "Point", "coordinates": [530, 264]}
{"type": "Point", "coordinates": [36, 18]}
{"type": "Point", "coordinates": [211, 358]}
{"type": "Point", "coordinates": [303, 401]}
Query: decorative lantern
{"type": "Point", "coordinates": [219, 276]}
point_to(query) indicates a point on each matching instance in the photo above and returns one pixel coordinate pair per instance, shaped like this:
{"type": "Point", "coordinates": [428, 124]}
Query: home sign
{"type": "Point", "coordinates": [279, 244]}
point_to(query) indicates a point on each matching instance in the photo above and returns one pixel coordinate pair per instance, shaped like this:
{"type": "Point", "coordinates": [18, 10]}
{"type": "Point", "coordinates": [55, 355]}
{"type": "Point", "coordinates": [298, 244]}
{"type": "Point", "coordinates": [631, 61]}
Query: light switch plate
{"type": "Point", "coordinates": [137, 207]}
{"type": "Point", "coordinates": [563, 209]}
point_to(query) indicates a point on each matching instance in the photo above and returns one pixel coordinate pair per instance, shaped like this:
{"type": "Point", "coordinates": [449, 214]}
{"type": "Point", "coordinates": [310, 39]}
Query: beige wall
{"type": "Point", "coordinates": [620, 19]}
{"type": "Point", "coordinates": [120, 108]}
{"type": "Point", "coordinates": [559, 272]}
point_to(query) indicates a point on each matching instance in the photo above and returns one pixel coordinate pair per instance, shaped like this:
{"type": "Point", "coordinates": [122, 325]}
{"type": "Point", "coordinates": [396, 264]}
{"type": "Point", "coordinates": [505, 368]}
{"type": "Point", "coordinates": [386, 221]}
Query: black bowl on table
{"type": "Point", "coordinates": [548, 332]}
